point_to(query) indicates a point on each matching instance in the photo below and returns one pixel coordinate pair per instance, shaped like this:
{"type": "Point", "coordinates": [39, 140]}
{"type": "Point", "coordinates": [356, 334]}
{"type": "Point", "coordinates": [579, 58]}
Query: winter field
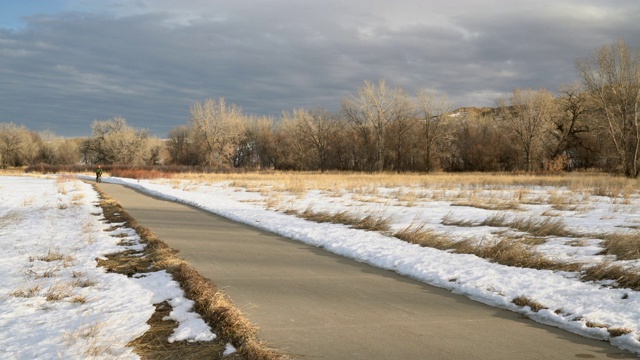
{"type": "Point", "coordinates": [54, 302]}
{"type": "Point", "coordinates": [561, 250]}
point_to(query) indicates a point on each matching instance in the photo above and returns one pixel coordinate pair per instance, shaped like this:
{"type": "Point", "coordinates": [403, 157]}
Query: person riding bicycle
{"type": "Point", "coordinates": [99, 173]}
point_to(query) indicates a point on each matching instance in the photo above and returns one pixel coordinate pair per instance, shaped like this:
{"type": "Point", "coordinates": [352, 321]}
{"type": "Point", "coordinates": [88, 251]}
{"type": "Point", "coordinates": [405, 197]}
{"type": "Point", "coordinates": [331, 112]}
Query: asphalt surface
{"type": "Point", "coordinates": [312, 304]}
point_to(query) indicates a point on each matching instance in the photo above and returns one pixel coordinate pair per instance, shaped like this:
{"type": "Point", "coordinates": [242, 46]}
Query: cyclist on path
{"type": "Point", "coordinates": [99, 173]}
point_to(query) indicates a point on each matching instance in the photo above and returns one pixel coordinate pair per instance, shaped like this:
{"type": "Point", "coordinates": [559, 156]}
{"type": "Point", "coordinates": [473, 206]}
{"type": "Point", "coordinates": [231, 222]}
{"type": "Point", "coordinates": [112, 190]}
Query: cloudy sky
{"type": "Point", "coordinates": [65, 63]}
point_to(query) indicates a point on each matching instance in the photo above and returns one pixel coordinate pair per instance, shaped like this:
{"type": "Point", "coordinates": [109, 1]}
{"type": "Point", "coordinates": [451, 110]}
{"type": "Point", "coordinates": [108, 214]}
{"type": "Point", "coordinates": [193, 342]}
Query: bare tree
{"type": "Point", "coordinates": [259, 143]}
{"type": "Point", "coordinates": [68, 151]}
{"type": "Point", "coordinates": [315, 131]}
{"type": "Point", "coordinates": [47, 148]}
{"type": "Point", "coordinates": [182, 148]}
{"type": "Point", "coordinates": [17, 147]}
{"type": "Point", "coordinates": [571, 122]}
{"type": "Point", "coordinates": [433, 112]}
{"type": "Point", "coordinates": [115, 142]}
{"type": "Point", "coordinates": [527, 118]}
{"type": "Point", "coordinates": [219, 129]}
{"type": "Point", "coordinates": [480, 143]}
{"type": "Point", "coordinates": [612, 77]}
{"type": "Point", "coordinates": [401, 144]}
{"type": "Point", "coordinates": [156, 152]}
{"type": "Point", "coordinates": [375, 107]}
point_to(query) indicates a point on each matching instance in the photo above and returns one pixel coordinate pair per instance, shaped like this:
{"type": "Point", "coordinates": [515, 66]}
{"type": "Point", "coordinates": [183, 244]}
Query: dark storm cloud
{"type": "Point", "coordinates": [149, 65]}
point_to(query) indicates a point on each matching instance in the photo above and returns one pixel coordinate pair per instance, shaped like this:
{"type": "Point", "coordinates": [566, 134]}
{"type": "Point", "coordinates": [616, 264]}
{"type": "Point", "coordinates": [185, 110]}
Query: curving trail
{"type": "Point", "coordinates": [316, 305]}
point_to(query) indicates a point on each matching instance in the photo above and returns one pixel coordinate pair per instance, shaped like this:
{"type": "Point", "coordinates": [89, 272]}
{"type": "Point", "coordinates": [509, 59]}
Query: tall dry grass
{"type": "Point", "coordinates": [372, 222]}
{"type": "Point", "coordinates": [422, 235]}
{"type": "Point", "coordinates": [536, 226]}
{"type": "Point", "coordinates": [624, 277]}
{"type": "Point", "coordinates": [623, 246]}
{"type": "Point", "coordinates": [508, 251]}
{"type": "Point", "coordinates": [353, 181]}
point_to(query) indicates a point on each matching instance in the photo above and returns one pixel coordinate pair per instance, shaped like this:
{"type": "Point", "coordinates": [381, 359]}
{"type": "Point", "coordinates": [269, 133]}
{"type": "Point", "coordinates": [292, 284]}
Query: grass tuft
{"type": "Point", "coordinates": [623, 277]}
{"type": "Point", "coordinates": [52, 256]}
{"type": "Point", "coordinates": [370, 222]}
{"type": "Point", "coordinates": [58, 291]}
{"type": "Point", "coordinates": [26, 292]}
{"type": "Point", "coordinates": [421, 235]}
{"type": "Point", "coordinates": [615, 332]}
{"type": "Point", "coordinates": [524, 301]}
{"type": "Point", "coordinates": [500, 205]}
{"type": "Point", "coordinates": [623, 246]}
{"type": "Point", "coordinates": [533, 225]}
{"type": "Point", "coordinates": [449, 220]}
{"type": "Point", "coordinates": [507, 251]}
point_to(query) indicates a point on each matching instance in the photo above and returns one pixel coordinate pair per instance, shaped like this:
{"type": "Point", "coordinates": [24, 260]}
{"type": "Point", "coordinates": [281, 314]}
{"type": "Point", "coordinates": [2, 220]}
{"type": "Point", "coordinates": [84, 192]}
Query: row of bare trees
{"type": "Point", "coordinates": [381, 128]}
{"type": "Point", "coordinates": [112, 142]}
{"type": "Point", "coordinates": [385, 129]}
{"type": "Point", "coordinates": [19, 146]}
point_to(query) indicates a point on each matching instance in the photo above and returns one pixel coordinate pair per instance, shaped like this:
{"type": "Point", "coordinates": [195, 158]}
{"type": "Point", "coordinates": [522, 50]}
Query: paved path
{"type": "Point", "coordinates": [316, 305]}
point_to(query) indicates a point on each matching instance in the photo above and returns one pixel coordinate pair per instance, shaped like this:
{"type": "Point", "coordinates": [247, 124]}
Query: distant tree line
{"type": "Point", "coordinates": [591, 125]}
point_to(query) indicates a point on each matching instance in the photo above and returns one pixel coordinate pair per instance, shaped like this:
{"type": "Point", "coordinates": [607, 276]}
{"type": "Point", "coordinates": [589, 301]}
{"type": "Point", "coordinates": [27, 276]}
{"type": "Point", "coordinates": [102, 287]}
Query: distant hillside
{"type": "Point", "coordinates": [474, 111]}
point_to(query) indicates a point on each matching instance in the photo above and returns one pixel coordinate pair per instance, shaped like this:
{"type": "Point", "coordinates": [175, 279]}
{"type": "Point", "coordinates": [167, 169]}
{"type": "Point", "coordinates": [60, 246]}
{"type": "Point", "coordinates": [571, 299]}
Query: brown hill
{"type": "Point", "coordinates": [474, 111]}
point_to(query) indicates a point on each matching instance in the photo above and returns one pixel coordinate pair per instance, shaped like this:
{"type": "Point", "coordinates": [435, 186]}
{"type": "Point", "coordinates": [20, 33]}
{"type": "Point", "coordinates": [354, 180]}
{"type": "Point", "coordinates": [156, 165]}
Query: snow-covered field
{"type": "Point", "coordinates": [37, 218]}
{"type": "Point", "coordinates": [571, 303]}
{"type": "Point", "coordinates": [54, 302]}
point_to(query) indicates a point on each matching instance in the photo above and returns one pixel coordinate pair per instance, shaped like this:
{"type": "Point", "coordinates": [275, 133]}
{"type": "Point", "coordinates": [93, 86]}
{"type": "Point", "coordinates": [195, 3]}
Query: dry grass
{"type": "Point", "coordinates": [366, 183]}
{"type": "Point", "coordinates": [79, 299]}
{"type": "Point", "coordinates": [28, 201]}
{"type": "Point", "coordinates": [615, 332]}
{"type": "Point", "coordinates": [139, 173]}
{"type": "Point", "coordinates": [153, 344]}
{"type": "Point", "coordinates": [541, 226]}
{"type": "Point", "coordinates": [487, 205]}
{"type": "Point", "coordinates": [47, 273]}
{"type": "Point", "coordinates": [421, 235]}
{"type": "Point", "coordinates": [83, 283]}
{"type": "Point", "coordinates": [12, 216]}
{"type": "Point", "coordinates": [213, 305]}
{"type": "Point", "coordinates": [89, 335]}
{"type": "Point", "coordinates": [371, 222]}
{"type": "Point", "coordinates": [65, 178]}
{"type": "Point", "coordinates": [623, 277]}
{"type": "Point", "coordinates": [449, 220]}
{"type": "Point", "coordinates": [409, 188]}
{"type": "Point", "coordinates": [28, 292]}
{"type": "Point", "coordinates": [623, 246]}
{"type": "Point", "coordinates": [496, 220]}
{"type": "Point", "coordinates": [53, 255]}
{"type": "Point", "coordinates": [533, 305]}
{"type": "Point", "coordinates": [536, 226]}
{"type": "Point", "coordinates": [76, 199]}
{"type": "Point", "coordinates": [514, 252]}
{"type": "Point", "coordinates": [12, 171]}
{"type": "Point", "coordinates": [532, 240]}
{"type": "Point", "coordinates": [507, 251]}
{"type": "Point", "coordinates": [58, 291]}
